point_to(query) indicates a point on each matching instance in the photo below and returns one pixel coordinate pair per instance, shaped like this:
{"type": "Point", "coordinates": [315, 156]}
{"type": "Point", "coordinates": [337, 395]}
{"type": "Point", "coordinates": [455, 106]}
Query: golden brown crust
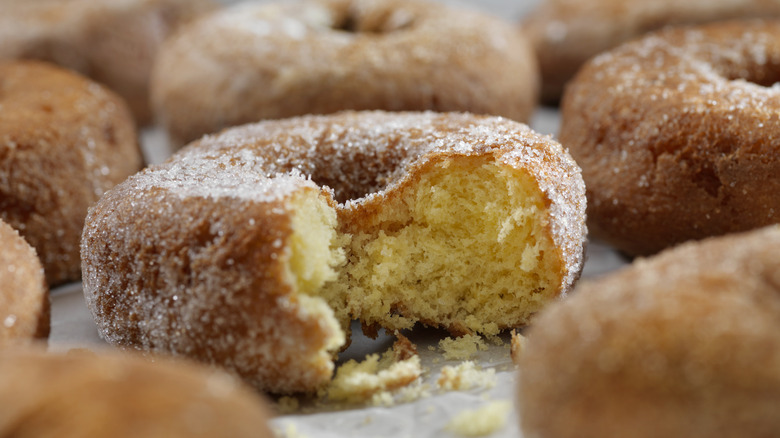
{"type": "Point", "coordinates": [683, 344]}
{"type": "Point", "coordinates": [24, 296]}
{"type": "Point", "coordinates": [64, 141]}
{"type": "Point", "coordinates": [566, 33]}
{"type": "Point", "coordinates": [113, 42]}
{"type": "Point", "coordinates": [188, 257]}
{"type": "Point", "coordinates": [675, 135]}
{"type": "Point", "coordinates": [253, 62]}
{"type": "Point", "coordinates": [118, 395]}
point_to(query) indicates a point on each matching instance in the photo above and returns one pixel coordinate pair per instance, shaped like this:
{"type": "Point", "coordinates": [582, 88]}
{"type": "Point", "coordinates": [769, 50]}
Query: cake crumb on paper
{"type": "Point", "coordinates": [482, 421]}
{"type": "Point", "coordinates": [464, 347]}
{"type": "Point", "coordinates": [369, 380]}
{"type": "Point", "coordinates": [465, 376]}
{"type": "Point", "coordinates": [516, 347]}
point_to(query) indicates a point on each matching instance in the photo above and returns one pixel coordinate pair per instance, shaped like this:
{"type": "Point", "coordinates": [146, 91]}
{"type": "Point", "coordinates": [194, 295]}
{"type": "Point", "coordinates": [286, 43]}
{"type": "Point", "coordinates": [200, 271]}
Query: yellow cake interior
{"type": "Point", "coordinates": [466, 247]}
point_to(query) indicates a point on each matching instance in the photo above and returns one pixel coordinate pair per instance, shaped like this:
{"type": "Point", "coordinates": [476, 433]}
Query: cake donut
{"type": "Point", "coordinates": [566, 33]}
{"type": "Point", "coordinates": [268, 61]}
{"type": "Point", "coordinates": [253, 249]}
{"type": "Point", "coordinates": [676, 136]}
{"type": "Point", "coordinates": [118, 395]}
{"type": "Point", "coordinates": [113, 42]}
{"type": "Point", "coordinates": [64, 140]}
{"type": "Point", "coordinates": [24, 296]}
{"type": "Point", "coordinates": [684, 344]}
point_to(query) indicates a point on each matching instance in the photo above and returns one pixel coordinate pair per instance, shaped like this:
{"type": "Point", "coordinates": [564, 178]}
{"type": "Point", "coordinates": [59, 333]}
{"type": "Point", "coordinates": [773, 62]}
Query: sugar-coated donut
{"type": "Point", "coordinates": [233, 252]}
{"type": "Point", "coordinates": [255, 61]}
{"type": "Point", "coordinates": [677, 135]}
{"type": "Point", "coordinates": [113, 42]}
{"type": "Point", "coordinates": [83, 394]}
{"type": "Point", "coordinates": [24, 296]}
{"type": "Point", "coordinates": [64, 140]}
{"type": "Point", "coordinates": [566, 33]}
{"type": "Point", "coordinates": [685, 344]}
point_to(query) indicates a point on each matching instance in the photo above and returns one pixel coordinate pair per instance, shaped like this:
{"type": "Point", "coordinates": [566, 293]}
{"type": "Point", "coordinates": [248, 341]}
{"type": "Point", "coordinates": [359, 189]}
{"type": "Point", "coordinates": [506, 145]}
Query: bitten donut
{"type": "Point", "coordinates": [64, 140]}
{"type": "Point", "coordinates": [254, 248]}
{"type": "Point", "coordinates": [566, 33]}
{"type": "Point", "coordinates": [255, 61]}
{"type": "Point", "coordinates": [677, 135]}
{"type": "Point", "coordinates": [685, 344]}
{"type": "Point", "coordinates": [118, 395]}
{"type": "Point", "coordinates": [113, 42]}
{"type": "Point", "coordinates": [24, 296]}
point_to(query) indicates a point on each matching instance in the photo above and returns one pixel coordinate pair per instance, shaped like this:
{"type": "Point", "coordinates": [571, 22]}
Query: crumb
{"type": "Point", "coordinates": [517, 346]}
{"type": "Point", "coordinates": [464, 347]}
{"type": "Point", "coordinates": [431, 348]}
{"type": "Point", "coordinates": [357, 382]}
{"type": "Point", "coordinates": [409, 394]}
{"type": "Point", "coordinates": [482, 421]}
{"type": "Point", "coordinates": [495, 340]}
{"type": "Point", "coordinates": [290, 431]}
{"type": "Point", "coordinates": [403, 348]}
{"type": "Point", "coordinates": [287, 405]}
{"type": "Point", "coordinates": [465, 376]}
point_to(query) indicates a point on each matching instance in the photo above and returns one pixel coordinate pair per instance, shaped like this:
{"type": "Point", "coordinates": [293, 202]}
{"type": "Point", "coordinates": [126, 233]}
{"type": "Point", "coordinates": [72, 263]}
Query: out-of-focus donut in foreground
{"type": "Point", "coordinates": [684, 344]}
{"type": "Point", "coordinates": [118, 395]}
{"type": "Point", "coordinates": [268, 61]}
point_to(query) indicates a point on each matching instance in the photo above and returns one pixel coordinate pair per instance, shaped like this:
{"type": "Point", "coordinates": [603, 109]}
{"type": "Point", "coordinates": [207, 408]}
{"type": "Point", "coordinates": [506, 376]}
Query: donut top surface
{"type": "Point", "coordinates": [359, 155]}
{"type": "Point", "coordinates": [268, 61]}
{"type": "Point", "coordinates": [24, 297]}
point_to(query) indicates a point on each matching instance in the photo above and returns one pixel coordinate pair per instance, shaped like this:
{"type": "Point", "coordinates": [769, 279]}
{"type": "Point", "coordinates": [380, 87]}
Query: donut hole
{"type": "Point", "coordinates": [372, 21]}
{"type": "Point", "coordinates": [463, 248]}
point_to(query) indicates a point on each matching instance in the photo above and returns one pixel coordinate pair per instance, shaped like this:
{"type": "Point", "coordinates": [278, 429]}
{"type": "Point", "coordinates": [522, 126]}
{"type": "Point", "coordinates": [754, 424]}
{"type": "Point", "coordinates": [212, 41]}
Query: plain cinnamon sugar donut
{"type": "Point", "coordinates": [253, 61]}
{"type": "Point", "coordinates": [64, 140]}
{"type": "Point", "coordinates": [566, 33]}
{"type": "Point", "coordinates": [83, 394]}
{"type": "Point", "coordinates": [24, 296]}
{"type": "Point", "coordinates": [254, 248]}
{"type": "Point", "coordinates": [684, 344]}
{"type": "Point", "coordinates": [114, 42]}
{"type": "Point", "coordinates": [677, 135]}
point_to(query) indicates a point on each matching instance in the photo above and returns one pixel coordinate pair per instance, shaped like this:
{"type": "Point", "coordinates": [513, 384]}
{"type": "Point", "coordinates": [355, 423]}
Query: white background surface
{"type": "Point", "coordinates": [72, 326]}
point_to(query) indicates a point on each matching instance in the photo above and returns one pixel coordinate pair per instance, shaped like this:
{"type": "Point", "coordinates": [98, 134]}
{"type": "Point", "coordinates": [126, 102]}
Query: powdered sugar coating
{"type": "Point", "coordinates": [187, 257]}
{"type": "Point", "coordinates": [674, 130]}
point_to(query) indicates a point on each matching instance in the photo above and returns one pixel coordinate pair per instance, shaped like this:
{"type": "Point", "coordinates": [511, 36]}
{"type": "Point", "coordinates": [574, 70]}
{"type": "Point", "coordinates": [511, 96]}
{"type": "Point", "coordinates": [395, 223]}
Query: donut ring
{"type": "Point", "coordinates": [120, 395]}
{"type": "Point", "coordinates": [24, 296]}
{"type": "Point", "coordinates": [566, 33]}
{"type": "Point", "coordinates": [64, 140]}
{"type": "Point", "coordinates": [676, 136]}
{"type": "Point", "coordinates": [253, 61]}
{"type": "Point", "coordinates": [686, 343]}
{"type": "Point", "coordinates": [114, 42]}
{"type": "Point", "coordinates": [230, 253]}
